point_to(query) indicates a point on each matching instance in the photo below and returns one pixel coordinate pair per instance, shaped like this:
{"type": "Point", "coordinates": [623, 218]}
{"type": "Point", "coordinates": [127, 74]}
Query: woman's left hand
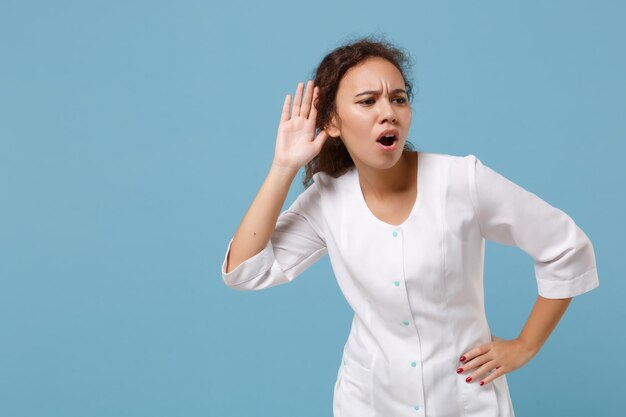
{"type": "Point", "coordinates": [500, 356]}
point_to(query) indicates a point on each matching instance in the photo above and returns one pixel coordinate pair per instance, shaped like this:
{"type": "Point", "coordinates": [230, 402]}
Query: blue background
{"type": "Point", "coordinates": [135, 134]}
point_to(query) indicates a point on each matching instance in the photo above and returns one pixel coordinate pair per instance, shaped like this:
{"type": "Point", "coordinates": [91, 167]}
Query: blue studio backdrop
{"type": "Point", "coordinates": [135, 134]}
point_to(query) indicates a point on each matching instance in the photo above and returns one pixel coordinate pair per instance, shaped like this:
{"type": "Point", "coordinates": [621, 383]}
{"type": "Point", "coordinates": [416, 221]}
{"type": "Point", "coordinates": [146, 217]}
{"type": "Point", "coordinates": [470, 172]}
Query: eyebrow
{"type": "Point", "coordinates": [397, 90]}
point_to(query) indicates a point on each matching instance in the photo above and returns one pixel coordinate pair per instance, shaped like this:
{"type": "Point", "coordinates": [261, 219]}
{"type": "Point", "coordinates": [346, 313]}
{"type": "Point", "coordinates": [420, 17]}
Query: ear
{"type": "Point", "coordinates": [331, 128]}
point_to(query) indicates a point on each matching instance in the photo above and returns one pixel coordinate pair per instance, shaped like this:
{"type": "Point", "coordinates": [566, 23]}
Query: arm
{"type": "Point", "coordinates": [270, 248]}
{"type": "Point", "coordinates": [257, 226]}
{"type": "Point", "coordinates": [542, 320]}
{"type": "Point", "coordinates": [564, 263]}
{"type": "Point", "coordinates": [503, 356]}
{"type": "Point", "coordinates": [563, 255]}
{"type": "Point", "coordinates": [297, 241]}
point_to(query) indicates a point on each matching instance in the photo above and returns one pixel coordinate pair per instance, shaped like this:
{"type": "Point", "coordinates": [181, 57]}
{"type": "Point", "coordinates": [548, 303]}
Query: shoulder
{"type": "Point", "coordinates": [327, 184]}
{"type": "Point", "coordinates": [454, 165]}
{"type": "Point", "coordinates": [320, 191]}
{"type": "Point", "coordinates": [457, 172]}
{"type": "Point", "coordinates": [448, 158]}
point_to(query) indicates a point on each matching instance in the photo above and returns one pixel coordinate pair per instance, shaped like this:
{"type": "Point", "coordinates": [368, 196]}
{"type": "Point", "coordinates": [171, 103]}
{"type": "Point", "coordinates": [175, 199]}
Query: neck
{"type": "Point", "coordinates": [382, 183]}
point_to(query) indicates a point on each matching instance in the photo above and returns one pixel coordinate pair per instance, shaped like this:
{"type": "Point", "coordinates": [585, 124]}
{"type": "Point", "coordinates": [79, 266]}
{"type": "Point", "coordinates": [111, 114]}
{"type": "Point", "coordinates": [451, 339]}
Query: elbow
{"type": "Point", "coordinates": [227, 268]}
{"type": "Point", "coordinates": [255, 273]}
{"type": "Point", "coordinates": [236, 284]}
{"type": "Point", "coordinates": [246, 283]}
{"type": "Point", "coordinates": [247, 276]}
{"type": "Point", "coordinates": [237, 279]}
{"type": "Point", "coordinates": [237, 287]}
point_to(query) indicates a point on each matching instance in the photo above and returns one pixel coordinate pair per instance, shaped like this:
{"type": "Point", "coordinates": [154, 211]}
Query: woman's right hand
{"type": "Point", "coordinates": [295, 142]}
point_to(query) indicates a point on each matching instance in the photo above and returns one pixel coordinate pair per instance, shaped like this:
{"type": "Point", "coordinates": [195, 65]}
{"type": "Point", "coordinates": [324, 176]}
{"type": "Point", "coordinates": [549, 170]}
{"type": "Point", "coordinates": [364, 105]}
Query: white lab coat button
{"type": "Point", "coordinates": [416, 407]}
{"type": "Point", "coordinates": [405, 322]}
{"type": "Point", "coordinates": [395, 233]}
{"type": "Point", "coordinates": [413, 364]}
{"type": "Point", "coordinates": [396, 283]}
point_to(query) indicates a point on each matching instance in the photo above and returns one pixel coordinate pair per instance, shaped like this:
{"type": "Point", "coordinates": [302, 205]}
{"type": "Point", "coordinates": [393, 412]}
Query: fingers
{"type": "Point", "coordinates": [297, 101]}
{"type": "Point", "coordinates": [477, 351]}
{"type": "Point", "coordinates": [301, 106]}
{"type": "Point", "coordinates": [477, 357]}
{"type": "Point", "coordinates": [313, 114]}
{"type": "Point", "coordinates": [470, 365]}
{"type": "Point", "coordinates": [306, 103]}
{"type": "Point", "coordinates": [481, 372]}
{"type": "Point", "coordinates": [487, 362]}
{"type": "Point", "coordinates": [321, 138]}
{"type": "Point", "coordinates": [492, 376]}
{"type": "Point", "coordinates": [284, 116]}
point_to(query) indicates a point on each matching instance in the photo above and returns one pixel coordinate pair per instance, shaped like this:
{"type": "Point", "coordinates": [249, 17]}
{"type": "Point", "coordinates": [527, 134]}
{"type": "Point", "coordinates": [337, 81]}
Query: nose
{"type": "Point", "coordinates": [387, 112]}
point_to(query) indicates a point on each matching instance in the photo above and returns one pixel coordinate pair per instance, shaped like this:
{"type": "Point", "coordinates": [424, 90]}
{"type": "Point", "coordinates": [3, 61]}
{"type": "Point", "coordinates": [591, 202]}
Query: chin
{"type": "Point", "coordinates": [388, 161]}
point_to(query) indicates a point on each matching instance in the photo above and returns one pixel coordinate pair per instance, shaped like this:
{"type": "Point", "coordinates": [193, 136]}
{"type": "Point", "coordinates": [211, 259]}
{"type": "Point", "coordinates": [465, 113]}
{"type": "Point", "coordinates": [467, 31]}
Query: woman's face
{"type": "Point", "coordinates": [371, 98]}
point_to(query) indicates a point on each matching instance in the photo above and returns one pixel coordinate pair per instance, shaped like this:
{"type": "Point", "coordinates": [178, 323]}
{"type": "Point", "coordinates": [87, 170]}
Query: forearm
{"type": "Point", "coordinates": [542, 320]}
{"type": "Point", "coordinates": [259, 222]}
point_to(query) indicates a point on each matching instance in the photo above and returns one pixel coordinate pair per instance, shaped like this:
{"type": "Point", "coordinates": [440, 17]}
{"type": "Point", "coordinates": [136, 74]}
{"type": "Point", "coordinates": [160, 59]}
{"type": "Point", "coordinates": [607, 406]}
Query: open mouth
{"type": "Point", "coordinates": [387, 140]}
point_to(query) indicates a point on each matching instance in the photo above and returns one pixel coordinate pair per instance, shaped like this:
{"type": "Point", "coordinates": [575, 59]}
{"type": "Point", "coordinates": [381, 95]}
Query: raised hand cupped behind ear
{"type": "Point", "coordinates": [296, 143]}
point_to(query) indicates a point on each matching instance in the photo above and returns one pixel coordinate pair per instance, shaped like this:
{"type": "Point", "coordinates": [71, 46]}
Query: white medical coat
{"type": "Point", "coordinates": [417, 288]}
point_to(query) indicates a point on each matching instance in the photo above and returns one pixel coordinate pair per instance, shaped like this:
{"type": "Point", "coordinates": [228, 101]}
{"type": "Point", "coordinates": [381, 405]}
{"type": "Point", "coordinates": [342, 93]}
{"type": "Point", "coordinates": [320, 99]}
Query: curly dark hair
{"type": "Point", "coordinates": [334, 158]}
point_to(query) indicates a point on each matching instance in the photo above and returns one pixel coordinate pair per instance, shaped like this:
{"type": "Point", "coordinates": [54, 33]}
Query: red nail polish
{"type": "Point", "coordinates": [468, 379]}
{"type": "Point", "coordinates": [459, 370]}
{"type": "Point", "coordinates": [482, 382]}
{"type": "Point", "coordinates": [462, 358]}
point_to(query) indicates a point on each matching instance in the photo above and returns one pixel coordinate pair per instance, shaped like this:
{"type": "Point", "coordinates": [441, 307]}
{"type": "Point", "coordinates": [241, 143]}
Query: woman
{"type": "Point", "coordinates": [405, 234]}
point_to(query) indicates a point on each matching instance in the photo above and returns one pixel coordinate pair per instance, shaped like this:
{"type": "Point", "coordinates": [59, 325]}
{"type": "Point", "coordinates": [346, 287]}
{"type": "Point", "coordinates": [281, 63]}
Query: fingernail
{"type": "Point", "coordinates": [459, 370]}
{"type": "Point", "coordinates": [482, 382]}
{"type": "Point", "coordinates": [462, 358]}
{"type": "Point", "coordinates": [468, 379]}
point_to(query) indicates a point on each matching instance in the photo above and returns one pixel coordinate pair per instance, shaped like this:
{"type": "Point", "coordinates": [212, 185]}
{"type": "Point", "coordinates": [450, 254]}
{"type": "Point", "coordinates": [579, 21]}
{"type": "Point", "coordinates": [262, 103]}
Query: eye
{"type": "Point", "coordinates": [400, 100]}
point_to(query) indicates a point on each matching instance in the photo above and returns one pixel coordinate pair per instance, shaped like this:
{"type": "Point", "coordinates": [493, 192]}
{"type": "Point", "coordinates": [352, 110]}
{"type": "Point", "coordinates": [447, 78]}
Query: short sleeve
{"type": "Point", "coordinates": [564, 258]}
{"type": "Point", "coordinates": [296, 243]}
